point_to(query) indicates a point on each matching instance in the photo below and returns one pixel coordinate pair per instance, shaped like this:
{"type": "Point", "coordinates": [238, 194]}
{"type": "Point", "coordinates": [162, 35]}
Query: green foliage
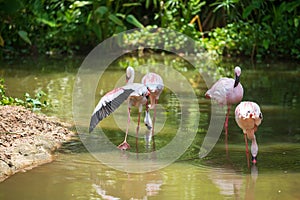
{"type": "Point", "coordinates": [36, 103]}
{"type": "Point", "coordinates": [152, 36]}
{"type": "Point", "coordinates": [177, 15]}
{"type": "Point", "coordinates": [273, 34]}
{"type": "Point", "coordinates": [61, 27]}
{"type": "Point", "coordinates": [254, 28]}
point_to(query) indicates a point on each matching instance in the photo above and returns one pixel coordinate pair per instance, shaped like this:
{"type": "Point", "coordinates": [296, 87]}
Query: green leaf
{"type": "Point", "coordinates": [97, 30]}
{"type": "Point", "coordinates": [26, 95]}
{"type": "Point", "coordinates": [266, 44]}
{"type": "Point", "coordinates": [155, 3]}
{"type": "Point", "coordinates": [81, 3]}
{"type": "Point", "coordinates": [47, 22]}
{"type": "Point", "coordinates": [24, 36]}
{"type": "Point", "coordinates": [247, 11]}
{"type": "Point", "coordinates": [101, 10]}
{"type": "Point", "coordinates": [296, 22]}
{"type": "Point", "coordinates": [132, 20]}
{"type": "Point", "coordinates": [115, 19]}
{"type": "Point", "coordinates": [131, 4]}
{"type": "Point", "coordinates": [88, 18]}
{"type": "Point", "coordinates": [19, 101]}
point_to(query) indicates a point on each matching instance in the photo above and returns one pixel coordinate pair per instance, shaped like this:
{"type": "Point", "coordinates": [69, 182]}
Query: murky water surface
{"type": "Point", "coordinates": [77, 174]}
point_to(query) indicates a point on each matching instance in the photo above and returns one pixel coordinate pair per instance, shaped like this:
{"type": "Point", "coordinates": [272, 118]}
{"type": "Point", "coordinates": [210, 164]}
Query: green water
{"type": "Point", "coordinates": [77, 174]}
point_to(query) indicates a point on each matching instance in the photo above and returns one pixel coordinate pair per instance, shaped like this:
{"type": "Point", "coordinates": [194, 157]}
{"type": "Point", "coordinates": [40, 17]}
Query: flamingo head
{"type": "Point", "coordinates": [254, 149]}
{"type": "Point", "coordinates": [147, 120]}
{"type": "Point", "coordinates": [129, 74]}
{"type": "Point", "coordinates": [237, 71]}
{"type": "Point", "coordinates": [152, 93]}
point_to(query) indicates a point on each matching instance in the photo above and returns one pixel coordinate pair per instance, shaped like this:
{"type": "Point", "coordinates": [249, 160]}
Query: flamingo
{"type": "Point", "coordinates": [248, 117]}
{"type": "Point", "coordinates": [137, 100]}
{"type": "Point", "coordinates": [137, 95]}
{"type": "Point", "coordinates": [227, 91]}
{"type": "Point", "coordinates": [155, 85]}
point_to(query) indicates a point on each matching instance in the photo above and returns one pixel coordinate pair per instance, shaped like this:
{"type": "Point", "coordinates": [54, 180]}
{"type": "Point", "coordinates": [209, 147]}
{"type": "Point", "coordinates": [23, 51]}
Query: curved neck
{"type": "Point", "coordinates": [129, 75]}
{"type": "Point", "coordinates": [254, 147]}
{"type": "Point", "coordinates": [237, 80]}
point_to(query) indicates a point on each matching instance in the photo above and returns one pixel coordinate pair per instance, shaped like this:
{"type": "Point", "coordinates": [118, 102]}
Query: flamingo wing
{"type": "Point", "coordinates": [257, 114]}
{"type": "Point", "coordinates": [108, 104]}
{"type": "Point", "coordinates": [139, 89]}
{"type": "Point", "coordinates": [248, 114]}
{"type": "Point", "coordinates": [220, 90]}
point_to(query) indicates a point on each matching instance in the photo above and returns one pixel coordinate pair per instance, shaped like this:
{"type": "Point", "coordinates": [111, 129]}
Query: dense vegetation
{"type": "Point", "coordinates": [254, 28]}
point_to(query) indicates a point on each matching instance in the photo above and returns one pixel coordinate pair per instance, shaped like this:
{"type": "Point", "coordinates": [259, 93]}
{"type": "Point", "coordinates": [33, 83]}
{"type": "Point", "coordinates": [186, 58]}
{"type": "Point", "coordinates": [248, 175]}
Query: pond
{"type": "Point", "coordinates": [78, 174]}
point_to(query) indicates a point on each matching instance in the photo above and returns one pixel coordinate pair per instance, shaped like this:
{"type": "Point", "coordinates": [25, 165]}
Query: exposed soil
{"type": "Point", "coordinates": [28, 139]}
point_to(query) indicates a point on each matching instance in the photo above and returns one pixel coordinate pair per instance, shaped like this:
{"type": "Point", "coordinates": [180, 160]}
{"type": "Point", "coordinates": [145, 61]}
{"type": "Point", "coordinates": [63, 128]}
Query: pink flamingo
{"type": "Point", "coordinates": [227, 91]}
{"type": "Point", "coordinates": [155, 85]}
{"type": "Point", "coordinates": [137, 95]}
{"type": "Point", "coordinates": [137, 100]}
{"type": "Point", "coordinates": [248, 117]}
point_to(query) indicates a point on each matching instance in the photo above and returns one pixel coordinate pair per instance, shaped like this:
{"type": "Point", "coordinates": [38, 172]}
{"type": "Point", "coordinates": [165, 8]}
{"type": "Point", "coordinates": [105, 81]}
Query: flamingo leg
{"type": "Point", "coordinates": [247, 150]}
{"type": "Point", "coordinates": [124, 145]}
{"type": "Point", "coordinates": [226, 145]}
{"type": "Point", "coordinates": [138, 126]}
{"type": "Point", "coordinates": [226, 120]}
{"type": "Point", "coordinates": [226, 129]}
{"type": "Point", "coordinates": [154, 117]}
{"type": "Point", "coordinates": [137, 131]}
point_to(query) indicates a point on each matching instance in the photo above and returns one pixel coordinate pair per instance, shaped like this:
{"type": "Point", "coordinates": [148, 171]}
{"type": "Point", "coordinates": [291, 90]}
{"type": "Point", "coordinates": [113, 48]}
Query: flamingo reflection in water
{"type": "Point", "coordinates": [233, 184]}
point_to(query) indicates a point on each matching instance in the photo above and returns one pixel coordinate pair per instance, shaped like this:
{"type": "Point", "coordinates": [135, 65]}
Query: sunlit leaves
{"type": "Point", "coordinates": [131, 4]}
{"type": "Point", "coordinates": [47, 22]}
{"type": "Point", "coordinates": [77, 4]}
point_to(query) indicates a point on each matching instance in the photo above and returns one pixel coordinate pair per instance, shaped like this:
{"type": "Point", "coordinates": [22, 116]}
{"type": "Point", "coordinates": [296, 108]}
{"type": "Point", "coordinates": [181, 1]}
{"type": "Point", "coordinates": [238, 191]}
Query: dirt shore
{"type": "Point", "coordinates": [28, 139]}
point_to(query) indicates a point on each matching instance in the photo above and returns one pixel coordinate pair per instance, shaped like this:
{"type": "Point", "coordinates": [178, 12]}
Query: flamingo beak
{"type": "Point", "coordinates": [237, 80]}
{"type": "Point", "coordinates": [254, 161]}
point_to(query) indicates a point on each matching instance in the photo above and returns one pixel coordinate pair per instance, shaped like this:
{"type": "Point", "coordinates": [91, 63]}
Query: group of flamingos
{"type": "Point", "coordinates": [226, 91]}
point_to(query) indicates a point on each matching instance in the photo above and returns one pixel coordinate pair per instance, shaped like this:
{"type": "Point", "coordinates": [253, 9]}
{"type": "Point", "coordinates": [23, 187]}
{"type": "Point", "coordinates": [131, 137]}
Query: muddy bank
{"type": "Point", "coordinates": [27, 139]}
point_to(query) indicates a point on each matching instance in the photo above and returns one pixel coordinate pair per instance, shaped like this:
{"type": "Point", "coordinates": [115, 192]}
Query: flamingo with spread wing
{"type": "Point", "coordinates": [137, 95]}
